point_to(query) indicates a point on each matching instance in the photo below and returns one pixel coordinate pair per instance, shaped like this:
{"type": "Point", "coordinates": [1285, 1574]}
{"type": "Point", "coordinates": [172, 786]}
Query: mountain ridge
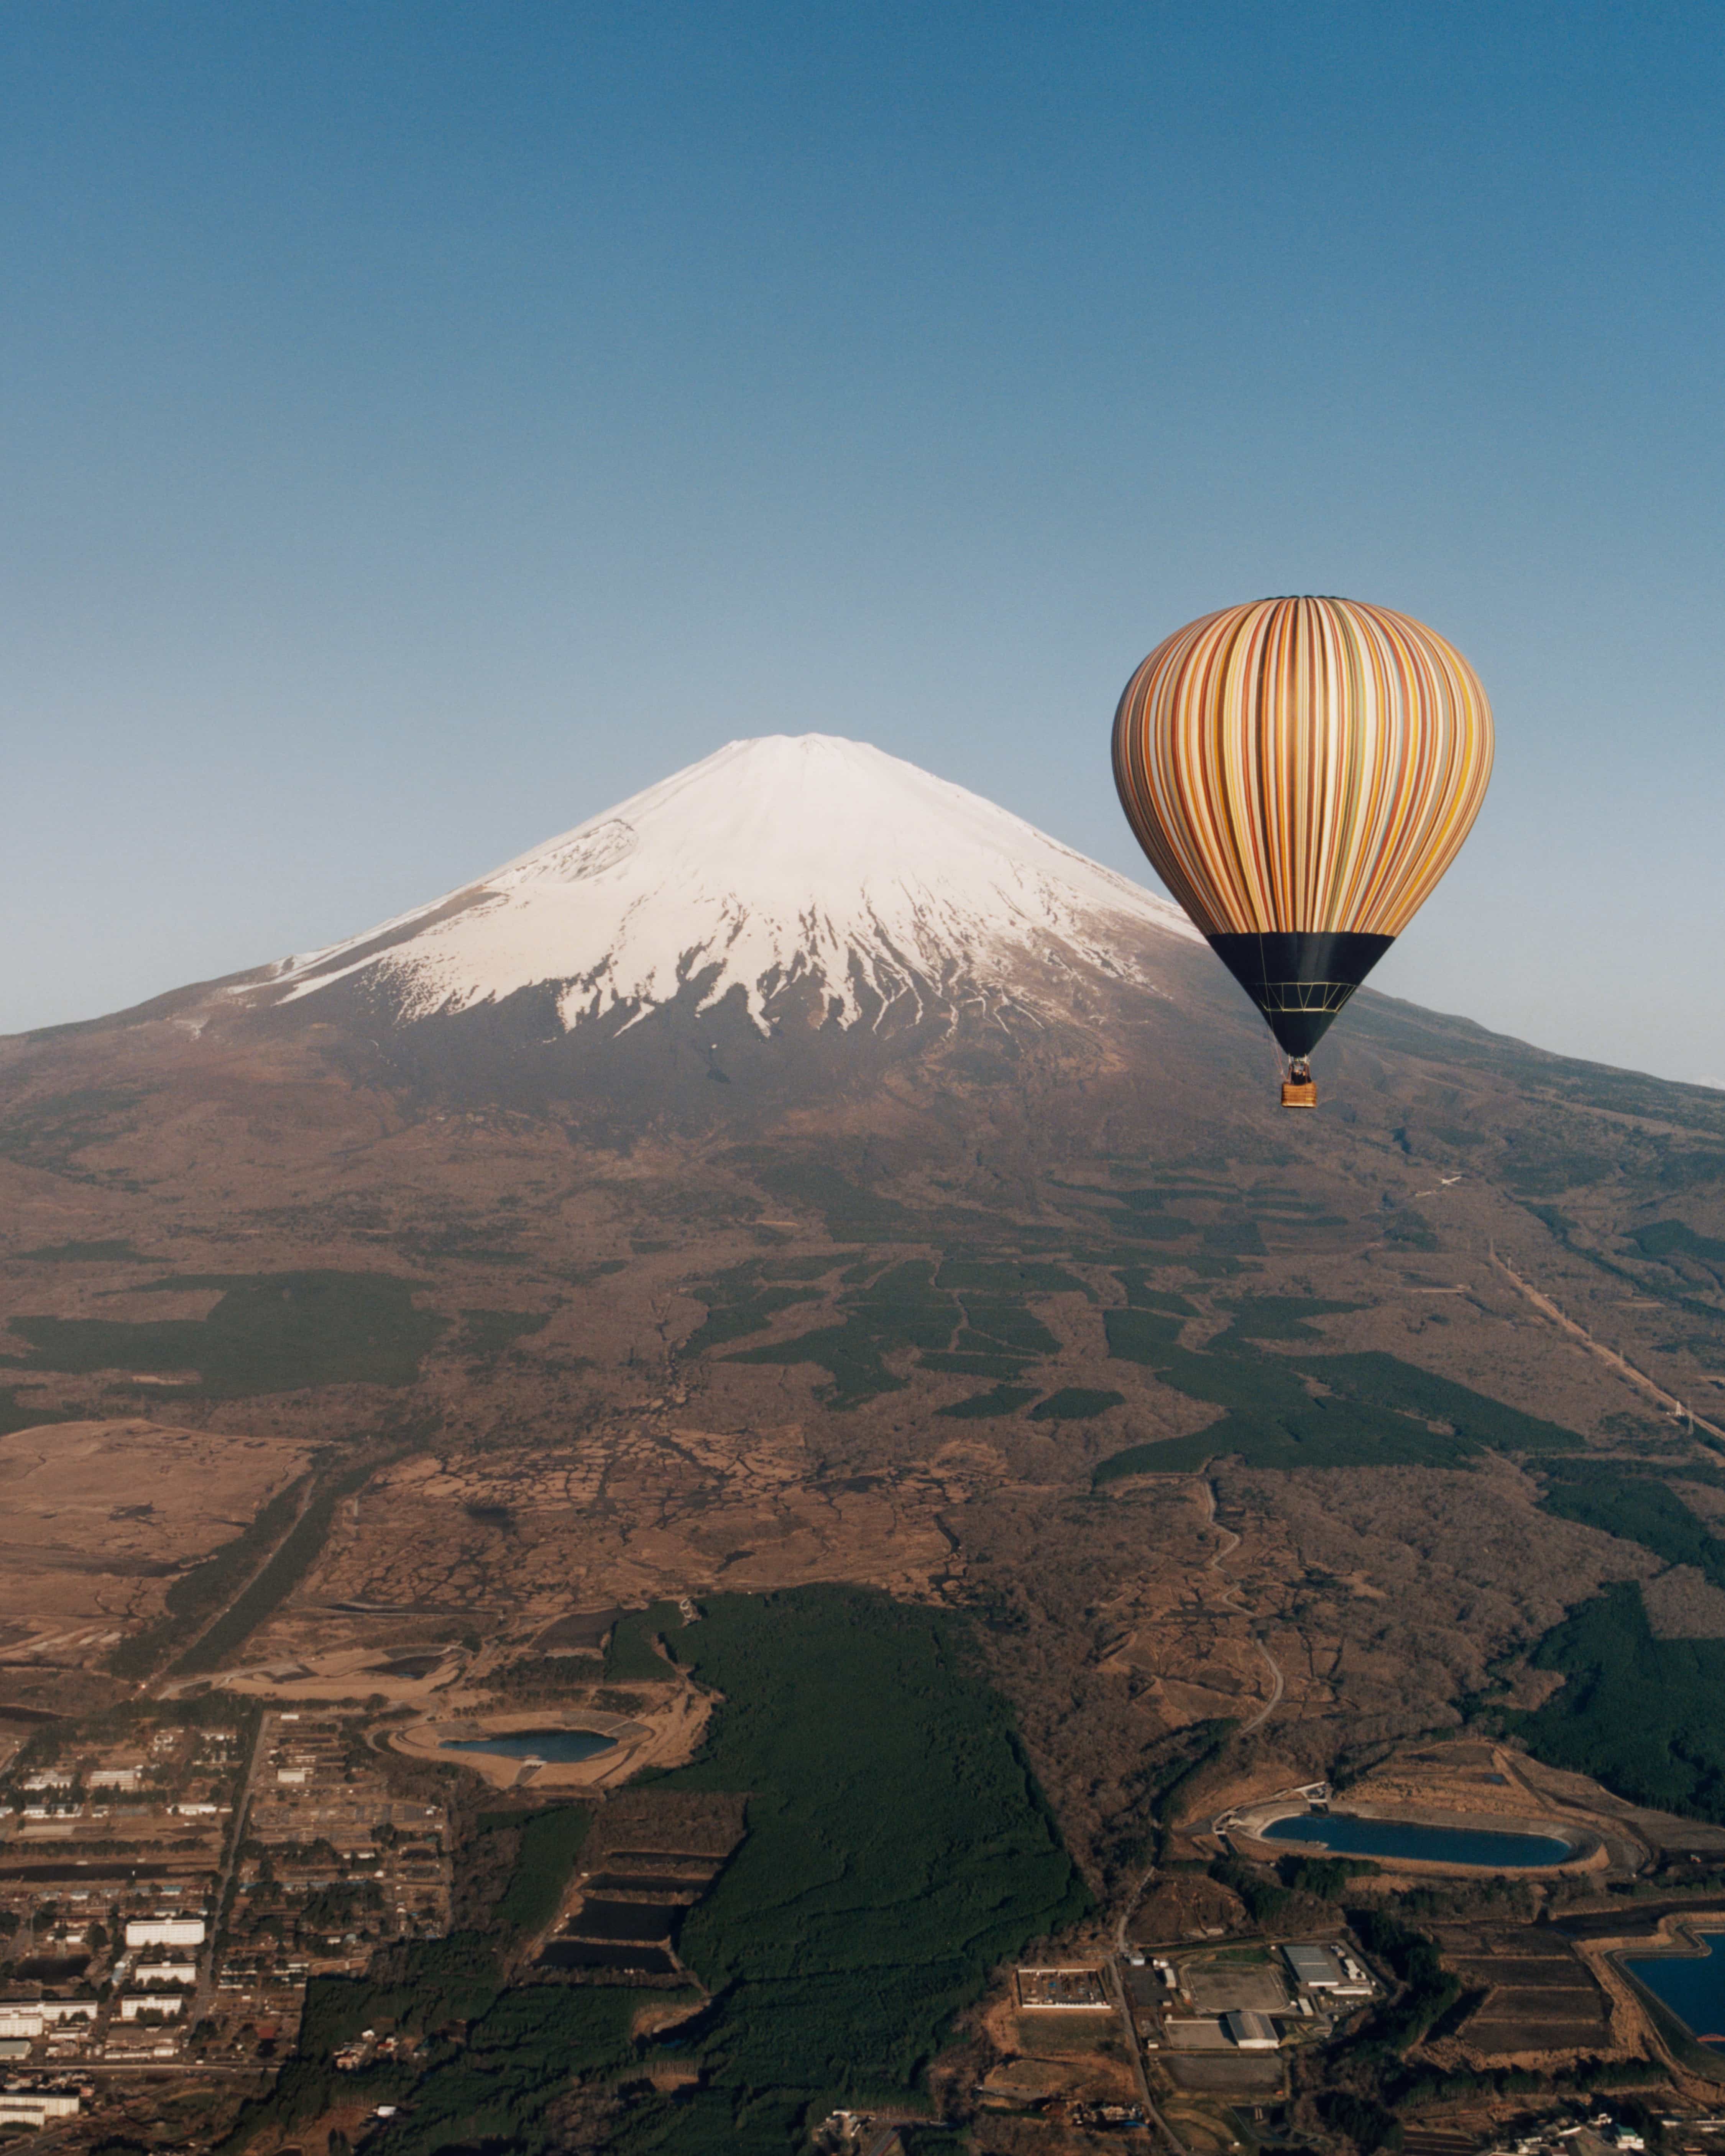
{"type": "Point", "coordinates": [780, 865]}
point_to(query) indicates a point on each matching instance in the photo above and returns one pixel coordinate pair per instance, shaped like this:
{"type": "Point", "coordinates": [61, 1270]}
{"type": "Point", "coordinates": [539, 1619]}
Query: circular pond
{"type": "Point", "coordinates": [556, 1748]}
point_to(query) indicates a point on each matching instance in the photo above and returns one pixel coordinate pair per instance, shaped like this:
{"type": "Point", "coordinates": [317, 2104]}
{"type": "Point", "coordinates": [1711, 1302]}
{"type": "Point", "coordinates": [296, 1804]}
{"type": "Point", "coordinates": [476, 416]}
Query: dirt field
{"type": "Point", "coordinates": [1538, 1994]}
{"type": "Point", "coordinates": [97, 1517]}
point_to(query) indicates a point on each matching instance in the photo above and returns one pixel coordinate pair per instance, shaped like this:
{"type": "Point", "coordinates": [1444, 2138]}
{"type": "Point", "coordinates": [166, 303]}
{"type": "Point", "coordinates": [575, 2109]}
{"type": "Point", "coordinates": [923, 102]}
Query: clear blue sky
{"type": "Point", "coordinates": [425, 424]}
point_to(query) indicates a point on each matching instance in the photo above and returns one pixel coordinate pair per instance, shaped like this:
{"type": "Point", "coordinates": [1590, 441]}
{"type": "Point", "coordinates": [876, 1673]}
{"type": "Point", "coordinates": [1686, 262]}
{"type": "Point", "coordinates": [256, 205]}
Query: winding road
{"type": "Point", "coordinates": [1234, 1597]}
{"type": "Point", "coordinates": [1237, 1597]}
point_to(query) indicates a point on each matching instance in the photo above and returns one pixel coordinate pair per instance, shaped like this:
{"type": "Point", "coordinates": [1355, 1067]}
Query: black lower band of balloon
{"type": "Point", "coordinates": [1299, 980]}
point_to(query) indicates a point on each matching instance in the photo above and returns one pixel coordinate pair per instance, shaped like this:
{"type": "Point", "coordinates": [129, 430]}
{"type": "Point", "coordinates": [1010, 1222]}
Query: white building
{"type": "Point", "coordinates": [116, 1778]}
{"type": "Point", "coordinates": [21, 2017]}
{"type": "Point", "coordinates": [166, 1972]}
{"type": "Point", "coordinates": [160, 2002]}
{"type": "Point", "coordinates": [28, 2108]}
{"type": "Point", "coordinates": [1251, 2032]}
{"type": "Point", "coordinates": [164, 1931]}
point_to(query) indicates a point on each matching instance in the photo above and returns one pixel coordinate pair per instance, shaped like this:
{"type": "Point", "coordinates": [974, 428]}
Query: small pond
{"type": "Point", "coordinates": [1692, 1986]}
{"type": "Point", "coordinates": [587, 1953]}
{"type": "Point", "coordinates": [559, 1747]}
{"type": "Point", "coordinates": [1341, 1834]}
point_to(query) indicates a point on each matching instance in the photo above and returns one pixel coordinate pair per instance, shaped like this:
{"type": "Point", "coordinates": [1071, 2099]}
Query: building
{"type": "Point", "coordinates": [68, 2009]}
{"type": "Point", "coordinates": [149, 2002]}
{"type": "Point", "coordinates": [1315, 1967]}
{"type": "Point", "coordinates": [33, 2108]}
{"type": "Point", "coordinates": [21, 2017]}
{"type": "Point", "coordinates": [1249, 2031]}
{"type": "Point", "coordinates": [116, 1778]}
{"type": "Point", "coordinates": [1329, 1969]}
{"type": "Point", "coordinates": [166, 1972]}
{"type": "Point", "coordinates": [164, 1931]}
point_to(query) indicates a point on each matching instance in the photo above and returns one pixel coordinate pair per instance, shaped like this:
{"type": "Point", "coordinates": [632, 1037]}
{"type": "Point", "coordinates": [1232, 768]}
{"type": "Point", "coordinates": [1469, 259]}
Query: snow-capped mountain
{"type": "Point", "coordinates": [801, 867]}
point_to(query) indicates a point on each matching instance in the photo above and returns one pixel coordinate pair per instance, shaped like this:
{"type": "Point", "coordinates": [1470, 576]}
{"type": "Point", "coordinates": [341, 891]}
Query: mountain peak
{"type": "Point", "coordinates": [798, 863]}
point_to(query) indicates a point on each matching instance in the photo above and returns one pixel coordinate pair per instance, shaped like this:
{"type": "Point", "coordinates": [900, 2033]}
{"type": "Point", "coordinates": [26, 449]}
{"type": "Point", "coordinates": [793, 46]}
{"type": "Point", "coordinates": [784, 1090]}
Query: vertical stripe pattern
{"type": "Point", "coordinates": [1303, 764]}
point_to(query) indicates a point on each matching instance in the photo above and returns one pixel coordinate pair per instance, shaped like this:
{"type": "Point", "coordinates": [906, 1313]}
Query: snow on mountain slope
{"type": "Point", "coordinates": [785, 861]}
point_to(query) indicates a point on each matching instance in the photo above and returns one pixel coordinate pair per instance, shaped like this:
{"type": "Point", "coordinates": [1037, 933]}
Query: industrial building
{"type": "Point", "coordinates": [1328, 1969]}
{"type": "Point", "coordinates": [164, 1931]}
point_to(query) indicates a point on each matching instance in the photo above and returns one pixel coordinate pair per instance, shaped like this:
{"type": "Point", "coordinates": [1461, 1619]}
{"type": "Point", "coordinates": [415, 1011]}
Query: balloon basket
{"type": "Point", "coordinates": [1299, 1093]}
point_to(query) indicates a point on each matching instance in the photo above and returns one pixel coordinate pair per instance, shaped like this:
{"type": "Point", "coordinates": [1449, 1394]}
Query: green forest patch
{"type": "Point", "coordinates": [12, 1416]}
{"type": "Point", "coordinates": [899, 1309]}
{"type": "Point", "coordinates": [1666, 1238]}
{"type": "Point", "coordinates": [522, 2048]}
{"type": "Point", "coordinates": [270, 1333]}
{"type": "Point", "coordinates": [1076, 1404]}
{"type": "Point", "coordinates": [1235, 1229]}
{"type": "Point", "coordinates": [84, 1254]}
{"type": "Point", "coordinates": [897, 1851]}
{"type": "Point", "coordinates": [1010, 1279]}
{"type": "Point", "coordinates": [551, 1842]}
{"type": "Point", "coordinates": [897, 1847]}
{"type": "Point", "coordinates": [964, 1318]}
{"type": "Point", "coordinates": [1138, 1215]}
{"type": "Point", "coordinates": [997, 1323]}
{"type": "Point", "coordinates": [852, 1214]}
{"type": "Point", "coordinates": [746, 1298]}
{"type": "Point", "coordinates": [987, 1362]}
{"type": "Point", "coordinates": [1645, 1716]}
{"type": "Point", "coordinates": [198, 1596]}
{"type": "Point", "coordinates": [1003, 1400]}
{"type": "Point", "coordinates": [486, 1334]}
{"type": "Point", "coordinates": [1318, 1411]}
{"type": "Point", "coordinates": [1668, 1284]}
{"type": "Point", "coordinates": [293, 1558]}
{"type": "Point", "coordinates": [50, 1133]}
{"type": "Point", "coordinates": [1278, 1317]}
{"type": "Point", "coordinates": [632, 1657]}
{"type": "Point", "coordinates": [1635, 1508]}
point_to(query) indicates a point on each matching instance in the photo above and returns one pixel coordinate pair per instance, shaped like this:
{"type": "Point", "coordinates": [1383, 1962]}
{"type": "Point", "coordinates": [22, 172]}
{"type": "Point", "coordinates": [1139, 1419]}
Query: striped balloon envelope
{"type": "Point", "coordinates": [1300, 771]}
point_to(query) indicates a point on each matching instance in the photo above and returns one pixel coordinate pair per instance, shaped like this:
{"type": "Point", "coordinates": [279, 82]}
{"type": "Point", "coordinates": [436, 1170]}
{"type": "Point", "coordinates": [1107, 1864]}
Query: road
{"type": "Point", "coordinates": [1610, 1356]}
{"type": "Point", "coordinates": [1233, 1595]}
{"type": "Point", "coordinates": [1135, 2051]}
{"type": "Point", "coordinates": [203, 1999]}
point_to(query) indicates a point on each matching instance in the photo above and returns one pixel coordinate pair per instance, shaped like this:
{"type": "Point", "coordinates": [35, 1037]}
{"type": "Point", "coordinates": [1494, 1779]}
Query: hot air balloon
{"type": "Point", "coordinates": [1300, 771]}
